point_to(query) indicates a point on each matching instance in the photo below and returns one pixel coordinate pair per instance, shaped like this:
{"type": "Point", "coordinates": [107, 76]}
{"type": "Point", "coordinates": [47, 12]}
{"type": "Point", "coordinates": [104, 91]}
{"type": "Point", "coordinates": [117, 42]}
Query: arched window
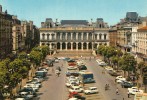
{"type": "Point", "coordinates": [105, 36]}
{"type": "Point", "coordinates": [48, 35]}
{"type": "Point", "coordinates": [43, 36]}
{"type": "Point", "coordinates": [79, 36]}
{"type": "Point", "coordinates": [95, 36]}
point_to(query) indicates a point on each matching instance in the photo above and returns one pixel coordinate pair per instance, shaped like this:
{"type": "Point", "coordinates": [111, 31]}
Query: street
{"type": "Point", "coordinates": [54, 87]}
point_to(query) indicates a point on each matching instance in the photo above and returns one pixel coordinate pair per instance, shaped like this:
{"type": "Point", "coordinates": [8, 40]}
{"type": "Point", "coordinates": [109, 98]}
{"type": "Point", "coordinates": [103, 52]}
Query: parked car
{"type": "Point", "coordinates": [73, 99]}
{"type": "Point", "coordinates": [25, 95]}
{"type": "Point", "coordinates": [89, 80]}
{"type": "Point", "coordinates": [133, 92]}
{"type": "Point", "coordinates": [19, 98]}
{"type": "Point", "coordinates": [113, 73]}
{"type": "Point", "coordinates": [29, 90]}
{"type": "Point", "coordinates": [120, 80]}
{"type": "Point", "coordinates": [126, 84]}
{"type": "Point", "coordinates": [76, 89]}
{"type": "Point", "coordinates": [82, 67]}
{"type": "Point", "coordinates": [91, 90]}
{"type": "Point", "coordinates": [71, 67]}
{"type": "Point", "coordinates": [76, 95]}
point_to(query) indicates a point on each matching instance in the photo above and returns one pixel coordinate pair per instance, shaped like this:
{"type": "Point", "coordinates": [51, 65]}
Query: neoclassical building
{"type": "Point", "coordinates": [74, 34]}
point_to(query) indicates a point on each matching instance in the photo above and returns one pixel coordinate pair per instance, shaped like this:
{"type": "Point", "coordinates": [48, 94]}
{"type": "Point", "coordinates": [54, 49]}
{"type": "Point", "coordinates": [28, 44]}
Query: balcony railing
{"type": "Point", "coordinates": [72, 40]}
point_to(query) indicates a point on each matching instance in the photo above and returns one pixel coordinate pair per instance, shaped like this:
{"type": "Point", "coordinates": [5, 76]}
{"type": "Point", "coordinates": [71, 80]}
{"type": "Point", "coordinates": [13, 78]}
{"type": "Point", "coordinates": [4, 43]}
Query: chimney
{"type": "Point", "coordinates": [0, 8]}
{"type": "Point", "coordinates": [42, 24]}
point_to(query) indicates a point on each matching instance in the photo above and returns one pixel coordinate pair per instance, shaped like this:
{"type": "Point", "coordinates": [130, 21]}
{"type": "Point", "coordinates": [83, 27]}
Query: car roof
{"type": "Point", "coordinates": [92, 87]}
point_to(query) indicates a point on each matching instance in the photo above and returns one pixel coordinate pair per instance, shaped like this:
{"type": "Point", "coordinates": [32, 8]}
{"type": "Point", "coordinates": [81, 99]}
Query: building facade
{"type": "Point", "coordinates": [74, 34]}
{"type": "Point", "coordinates": [5, 33]}
{"type": "Point", "coordinates": [30, 35]}
{"type": "Point", "coordinates": [141, 44]}
{"type": "Point", "coordinates": [16, 35]}
{"type": "Point", "coordinates": [113, 35]}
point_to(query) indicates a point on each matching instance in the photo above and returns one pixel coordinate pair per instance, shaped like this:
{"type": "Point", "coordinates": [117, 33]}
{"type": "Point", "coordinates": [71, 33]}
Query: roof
{"type": "Point", "coordinates": [143, 29]}
{"type": "Point", "coordinates": [74, 22]}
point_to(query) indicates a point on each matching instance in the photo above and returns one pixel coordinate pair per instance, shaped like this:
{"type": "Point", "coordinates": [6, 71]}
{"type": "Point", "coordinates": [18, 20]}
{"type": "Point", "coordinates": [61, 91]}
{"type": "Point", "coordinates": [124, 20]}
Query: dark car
{"type": "Point", "coordinates": [89, 80]}
{"type": "Point", "coordinates": [29, 90]}
{"type": "Point", "coordinates": [79, 97]}
{"type": "Point", "coordinates": [82, 67]}
{"type": "Point", "coordinates": [126, 84]}
{"type": "Point", "coordinates": [76, 95]}
{"type": "Point", "coordinates": [72, 73]}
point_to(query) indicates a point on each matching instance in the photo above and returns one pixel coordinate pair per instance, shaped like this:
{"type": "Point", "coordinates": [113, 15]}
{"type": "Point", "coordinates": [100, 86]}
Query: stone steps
{"type": "Point", "coordinates": [85, 53]}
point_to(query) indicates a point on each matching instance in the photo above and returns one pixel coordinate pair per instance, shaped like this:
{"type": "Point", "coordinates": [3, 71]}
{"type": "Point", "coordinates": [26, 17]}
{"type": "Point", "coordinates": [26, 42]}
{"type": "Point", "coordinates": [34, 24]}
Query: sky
{"type": "Point", "coordinates": [38, 10]}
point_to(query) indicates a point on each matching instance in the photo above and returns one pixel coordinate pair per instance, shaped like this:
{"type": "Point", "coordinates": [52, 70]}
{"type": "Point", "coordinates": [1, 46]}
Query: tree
{"type": "Point", "coordinates": [36, 57]}
{"type": "Point", "coordinates": [22, 55]}
{"type": "Point", "coordinates": [128, 63]}
{"type": "Point", "coordinates": [44, 50]}
{"type": "Point", "coordinates": [115, 60]}
{"type": "Point", "coordinates": [141, 65]}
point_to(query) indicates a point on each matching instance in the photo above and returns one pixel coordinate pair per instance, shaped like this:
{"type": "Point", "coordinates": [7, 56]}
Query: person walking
{"type": "Point", "coordinates": [117, 91]}
{"type": "Point", "coordinates": [57, 72]}
{"type": "Point", "coordinates": [128, 94]}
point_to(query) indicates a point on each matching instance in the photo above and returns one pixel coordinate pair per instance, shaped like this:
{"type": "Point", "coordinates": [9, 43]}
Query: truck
{"type": "Point", "coordinates": [87, 77]}
{"type": "Point", "coordinates": [140, 96]}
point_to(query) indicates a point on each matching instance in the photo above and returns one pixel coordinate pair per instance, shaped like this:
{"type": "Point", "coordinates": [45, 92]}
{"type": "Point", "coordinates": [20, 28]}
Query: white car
{"type": "Point", "coordinates": [19, 99]}
{"type": "Point", "coordinates": [73, 99]}
{"type": "Point", "coordinates": [76, 89]}
{"type": "Point", "coordinates": [108, 68]}
{"type": "Point", "coordinates": [102, 63]}
{"type": "Point", "coordinates": [134, 91]}
{"type": "Point", "coordinates": [71, 68]}
{"type": "Point", "coordinates": [33, 86]}
{"type": "Point", "coordinates": [91, 90]}
{"type": "Point", "coordinates": [120, 80]}
{"type": "Point", "coordinates": [118, 77]}
{"type": "Point", "coordinates": [132, 88]}
{"type": "Point", "coordinates": [56, 60]}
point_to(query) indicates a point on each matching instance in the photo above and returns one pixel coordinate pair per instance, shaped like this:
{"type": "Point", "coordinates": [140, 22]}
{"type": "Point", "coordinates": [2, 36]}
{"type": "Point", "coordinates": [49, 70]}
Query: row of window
{"type": "Point", "coordinates": [74, 37]}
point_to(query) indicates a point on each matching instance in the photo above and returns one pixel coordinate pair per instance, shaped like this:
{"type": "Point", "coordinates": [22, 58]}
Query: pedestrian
{"type": "Point", "coordinates": [128, 94]}
{"type": "Point", "coordinates": [57, 72]}
{"type": "Point", "coordinates": [117, 91]}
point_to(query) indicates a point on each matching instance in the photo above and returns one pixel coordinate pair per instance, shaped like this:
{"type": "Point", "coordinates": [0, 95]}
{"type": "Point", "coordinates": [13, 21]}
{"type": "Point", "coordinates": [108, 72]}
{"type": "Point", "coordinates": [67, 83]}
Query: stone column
{"type": "Point", "coordinates": [97, 36]}
{"type": "Point", "coordinates": [87, 46]}
{"type": "Point", "coordinates": [66, 45]}
{"type": "Point", "coordinates": [71, 36]}
{"type": "Point", "coordinates": [61, 46]}
{"type": "Point", "coordinates": [55, 36]}
{"type": "Point", "coordinates": [76, 36]}
{"type": "Point", "coordinates": [50, 46]}
{"type": "Point", "coordinates": [87, 36]}
{"type": "Point", "coordinates": [92, 45]}
{"type": "Point", "coordinates": [60, 36]}
{"type": "Point", "coordinates": [71, 45]}
{"type": "Point", "coordinates": [76, 45]}
{"type": "Point", "coordinates": [66, 36]}
{"type": "Point", "coordinates": [81, 45]}
{"type": "Point", "coordinates": [82, 36]}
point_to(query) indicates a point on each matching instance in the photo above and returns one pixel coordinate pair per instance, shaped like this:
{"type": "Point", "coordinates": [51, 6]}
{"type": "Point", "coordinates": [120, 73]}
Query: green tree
{"type": "Point", "coordinates": [141, 65]}
{"type": "Point", "coordinates": [44, 50]}
{"type": "Point", "coordinates": [36, 57]}
{"type": "Point", "coordinates": [22, 55]}
{"type": "Point", "coordinates": [128, 63]}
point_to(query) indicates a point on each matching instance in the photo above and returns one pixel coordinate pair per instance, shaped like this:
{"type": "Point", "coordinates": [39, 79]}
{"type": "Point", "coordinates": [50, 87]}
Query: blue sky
{"type": "Point", "coordinates": [38, 10]}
